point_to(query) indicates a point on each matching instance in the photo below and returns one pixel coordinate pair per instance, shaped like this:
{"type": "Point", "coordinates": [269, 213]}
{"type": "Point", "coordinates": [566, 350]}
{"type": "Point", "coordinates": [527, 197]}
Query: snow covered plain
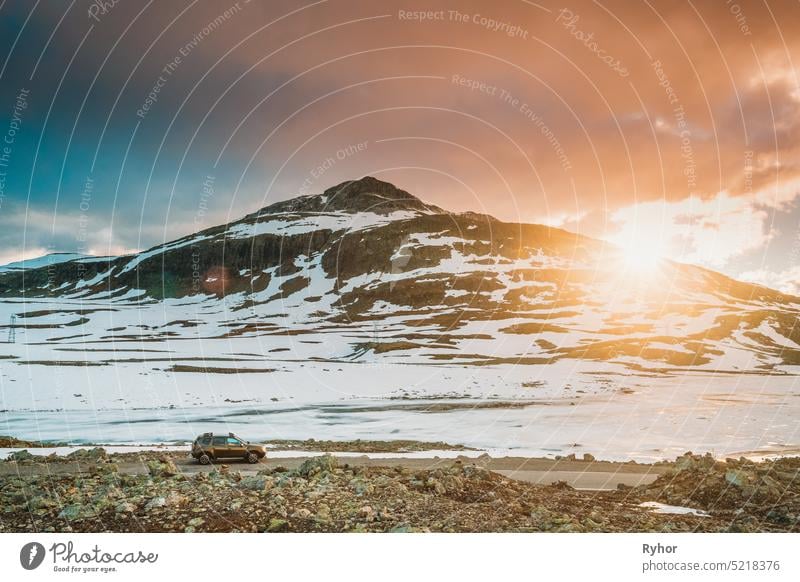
{"type": "Point", "coordinates": [81, 383]}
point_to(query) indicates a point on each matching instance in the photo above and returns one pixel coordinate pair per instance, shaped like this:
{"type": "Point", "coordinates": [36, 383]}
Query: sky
{"type": "Point", "coordinates": [670, 125]}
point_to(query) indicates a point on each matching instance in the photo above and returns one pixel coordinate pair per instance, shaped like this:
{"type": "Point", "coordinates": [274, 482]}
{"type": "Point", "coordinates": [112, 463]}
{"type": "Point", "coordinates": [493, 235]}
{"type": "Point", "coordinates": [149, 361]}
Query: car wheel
{"type": "Point", "coordinates": [252, 458]}
{"type": "Point", "coordinates": [204, 459]}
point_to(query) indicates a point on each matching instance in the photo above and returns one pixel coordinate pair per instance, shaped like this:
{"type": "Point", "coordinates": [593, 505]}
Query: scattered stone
{"type": "Point", "coordinates": [76, 512]}
{"type": "Point", "coordinates": [360, 486]}
{"type": "Point", "coordinates": [21, 456]}
{"type": "Point", "coordinates": [94, 454]}
{"type": "Point", "coordinates": [125, 507]}
{"type": "Point", "coordinates": [155, 502]}
{"type": "Point", "coordinates": [174, 499]}
{"type": "Point", "coordinates": [735, 477]}
{"type": "Point", "coordinates": [317, 465]}
{"type": "Point", "coordinates": [739, 495]}
{"type": "Point", "coordinates": [162, 467]}
{"type": "Point", "coordinates": [323, 514]}
{"type": "Point", "coordinates": [256, 483]}
{"type": "Point", "coordinates": [277, 525]}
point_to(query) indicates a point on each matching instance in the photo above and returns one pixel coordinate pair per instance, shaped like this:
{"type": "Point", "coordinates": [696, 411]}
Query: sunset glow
{"type": "Point", "coordinates": [642, 256]}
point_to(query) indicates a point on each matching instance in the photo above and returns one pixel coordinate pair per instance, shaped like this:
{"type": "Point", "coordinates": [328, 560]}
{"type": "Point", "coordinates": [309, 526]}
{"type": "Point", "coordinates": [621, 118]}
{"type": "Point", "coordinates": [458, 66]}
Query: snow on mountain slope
{"type": "Point", "coordinates": [410, 281]}
{"type": "Point", "coordinates": [39, 262]}
{"type": "Point", "coordinates": [364, 312]}
{"type": "Point", "coordinates": [367, 274]}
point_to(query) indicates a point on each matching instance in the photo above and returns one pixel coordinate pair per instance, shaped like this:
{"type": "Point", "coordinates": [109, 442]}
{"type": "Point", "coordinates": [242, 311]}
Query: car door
{"type": "Point", "coordinates": [236, 448]}
{"type": "Point", "coordinates": [203, 443]}
{"type": "Point", "coordinates": [220, 447]}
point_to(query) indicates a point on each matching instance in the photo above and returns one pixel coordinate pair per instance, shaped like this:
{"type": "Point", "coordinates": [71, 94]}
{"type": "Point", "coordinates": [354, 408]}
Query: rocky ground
{"type": "Point", "coordinates": [326, 495]}
{"type": "Point", "coordinates": [11, 442]}
{"type": "Point", "coordinates": [748, 494]}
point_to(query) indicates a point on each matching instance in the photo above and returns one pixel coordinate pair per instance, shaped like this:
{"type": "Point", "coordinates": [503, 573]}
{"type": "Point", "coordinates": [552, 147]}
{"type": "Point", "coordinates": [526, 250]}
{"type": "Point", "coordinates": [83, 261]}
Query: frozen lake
{"type": "Point", "coordinates": [639, 418]}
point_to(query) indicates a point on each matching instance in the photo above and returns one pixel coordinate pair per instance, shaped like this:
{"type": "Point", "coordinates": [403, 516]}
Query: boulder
{"type": "Point", "coordinates": [163, 467]}
{"type": "Point", "coordinates": [22, 455]}
{"type": "Point", "coordinates": [93, 454]}
{"type": "Point", "coordinates": [256, 483]}
{"type": "Point", "coordinates": [277, 525]}
{"type": "Point", "coordinates": [196, 522]}
{"type": "Point", "coordinates": [155, 502]}
{"type": "Point", "coordinates": [323, 514]}
{"type": "Point", "coordinates": [317, 466]}
{"type": "Point", "coordinates": [76, 512]}
{"type": "Point", "coordinates": [736, 477]}
{"type": "Point", "coordinates": [361, 486]}
{"type": "Point", "coordinates": [125, 507]}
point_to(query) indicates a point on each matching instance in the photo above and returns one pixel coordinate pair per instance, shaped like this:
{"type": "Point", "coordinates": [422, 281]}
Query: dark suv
{"type": "Point", "coordinates": [210, 446]}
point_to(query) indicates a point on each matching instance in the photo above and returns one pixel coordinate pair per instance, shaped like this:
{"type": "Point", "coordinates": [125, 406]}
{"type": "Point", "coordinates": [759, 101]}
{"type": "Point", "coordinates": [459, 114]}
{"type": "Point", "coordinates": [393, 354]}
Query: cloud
{"type": "Point", "coordinates": [274, 101]}
{"type": "Point", "coordinates": [15, 255]}
{"type": "Point", "coordinates": [786, 281]}
{"type": "Point", "coordinates": [710, 232]}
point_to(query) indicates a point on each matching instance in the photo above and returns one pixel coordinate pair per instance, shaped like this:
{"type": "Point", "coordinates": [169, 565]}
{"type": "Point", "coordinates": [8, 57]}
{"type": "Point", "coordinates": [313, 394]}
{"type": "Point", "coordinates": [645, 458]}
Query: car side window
{"type": "Point", "coordinates": [219, 441]}
{"type": "Point", "coordinates": [233, 441]}
{"type": "Point", "coordinates": [205, 441]}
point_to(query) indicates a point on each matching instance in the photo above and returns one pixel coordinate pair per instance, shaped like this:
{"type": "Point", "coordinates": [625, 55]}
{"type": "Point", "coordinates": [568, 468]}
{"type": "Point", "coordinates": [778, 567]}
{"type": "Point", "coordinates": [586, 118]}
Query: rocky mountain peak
{"type": "Point", "coordinates": [367, 194]}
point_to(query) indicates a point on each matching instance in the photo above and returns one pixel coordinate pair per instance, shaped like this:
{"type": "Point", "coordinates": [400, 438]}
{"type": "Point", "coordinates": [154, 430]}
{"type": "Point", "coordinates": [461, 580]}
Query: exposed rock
{"type": "Point", "coordinates": [735, 477]}
{"type": "Point", "coordinates": [360, 486]}
{"type": "Point", "coordinates": [9, 442]}
{"type": "Point", "coordinates": [125, 507]}
{"type": "Point", "coordinates": [323, 514]}
{"type": "Point", "coordinates": [76, 512]}
{"type": "Point", "coordinates": [256, 483]}
{"type": "Point", "coordinates": [317, 465]}
{"type": "Point", "coordinates": [733, 488]}
{"type": "Point", "coordinates": [739, 495]}
{"type": "Point", "coordinates": [155, 502]}
{"type": "Point", "coordinates": [96, 454]}
{"type": "Point", "coordinates": [277, 525]}
{"type": "Point", "coordinates": [20, 456]}
{"type": "Point", "coordinates": [163, 467]}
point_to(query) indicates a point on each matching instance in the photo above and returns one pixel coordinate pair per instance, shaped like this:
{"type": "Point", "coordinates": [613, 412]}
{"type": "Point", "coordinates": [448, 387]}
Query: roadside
{"type": "Point", "coordinates": [585, 473]}
{"type": "Point", "coordinates": [152, 491]}
{"type": "Point", "coordinates": [590, 475]}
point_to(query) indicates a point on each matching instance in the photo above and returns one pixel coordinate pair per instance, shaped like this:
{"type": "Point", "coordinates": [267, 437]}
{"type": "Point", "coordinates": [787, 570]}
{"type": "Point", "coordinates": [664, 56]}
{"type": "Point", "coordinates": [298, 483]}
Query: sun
{"type": "Point", "coordinates": [642, 256]}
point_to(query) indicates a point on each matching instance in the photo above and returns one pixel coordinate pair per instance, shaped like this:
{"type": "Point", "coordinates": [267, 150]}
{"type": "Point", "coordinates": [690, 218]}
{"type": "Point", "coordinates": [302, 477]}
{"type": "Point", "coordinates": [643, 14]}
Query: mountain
{"type": "Point", "coordinates": [366, 270]}
{"type": "Point", "coordinates": [43, 261]}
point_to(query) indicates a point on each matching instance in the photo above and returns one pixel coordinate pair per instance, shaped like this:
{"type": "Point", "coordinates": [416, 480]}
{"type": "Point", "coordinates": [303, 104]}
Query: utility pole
{"type": "Point", "coordinates": [12, 330]}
